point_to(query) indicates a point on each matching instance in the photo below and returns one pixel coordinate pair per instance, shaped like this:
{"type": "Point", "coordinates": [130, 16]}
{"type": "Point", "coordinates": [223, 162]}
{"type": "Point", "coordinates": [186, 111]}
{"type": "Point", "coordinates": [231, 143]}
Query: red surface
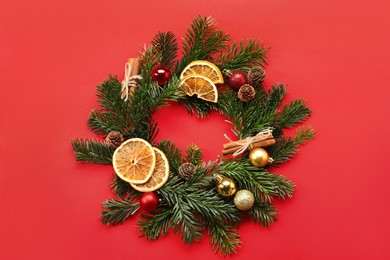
{"type": "Point", "coordinates": [333, 53]}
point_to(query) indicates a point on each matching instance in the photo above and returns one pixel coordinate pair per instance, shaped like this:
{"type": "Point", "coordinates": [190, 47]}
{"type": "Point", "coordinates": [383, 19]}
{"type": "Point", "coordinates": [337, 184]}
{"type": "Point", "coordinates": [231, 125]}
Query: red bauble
{"type": "Point", "coordinates": [148, 201]}
{"type": "Point", "coordinates": [161, 74]}
{"type": "Point", "coordinates": [237, 79]}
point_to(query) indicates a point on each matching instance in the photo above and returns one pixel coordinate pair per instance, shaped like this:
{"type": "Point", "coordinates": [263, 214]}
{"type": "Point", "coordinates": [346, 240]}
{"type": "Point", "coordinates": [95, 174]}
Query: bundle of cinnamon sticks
{"type": "Point", "coordinates": [234, 146]}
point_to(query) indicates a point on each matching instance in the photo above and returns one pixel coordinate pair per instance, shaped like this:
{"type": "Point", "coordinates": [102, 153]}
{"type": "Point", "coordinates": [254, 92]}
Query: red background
{"type": "Point", "coordinates": [333, 53]}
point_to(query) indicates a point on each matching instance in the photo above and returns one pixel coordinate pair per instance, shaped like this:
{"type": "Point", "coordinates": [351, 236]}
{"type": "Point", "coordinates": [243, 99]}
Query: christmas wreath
{"type": "Point", "coordinates": [175, 189]}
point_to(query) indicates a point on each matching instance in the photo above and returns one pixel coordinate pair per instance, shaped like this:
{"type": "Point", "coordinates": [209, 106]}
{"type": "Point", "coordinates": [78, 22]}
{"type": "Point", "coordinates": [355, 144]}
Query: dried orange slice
{"type": "Point", "coordinates": [204, 68]}
{"type": "Point", "coordinates": [202, 86]}
{"type": "Point", "coordinates": [134, 160]}
{"type": "Point", "coordinates": [160, 174]}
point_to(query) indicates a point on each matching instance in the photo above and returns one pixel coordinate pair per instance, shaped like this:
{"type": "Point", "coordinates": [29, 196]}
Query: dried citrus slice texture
{"type": "Point", "coordinates": [134, 160]}
{"type": "Point", "coordinates": [204, 68]}
{"type": "Point", "coordinates": [160, 174]}
{"type": "Point", "coordinates": [202, 86]}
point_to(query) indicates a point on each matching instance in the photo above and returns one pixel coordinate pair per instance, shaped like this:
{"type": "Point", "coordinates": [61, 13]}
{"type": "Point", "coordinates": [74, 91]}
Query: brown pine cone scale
{"type": "Point", "coordinates": [246, 93]}
{"type": "Point", "coordinates": [187, 170]}
{"type": "Point", "coordinates": [256, 76]}
{"type": "Point", "coordinates": [114, 139]}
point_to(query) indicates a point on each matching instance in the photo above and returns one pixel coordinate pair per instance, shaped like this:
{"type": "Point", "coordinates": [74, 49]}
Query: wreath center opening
{"type": "Point", "coordinates": [177, 125]}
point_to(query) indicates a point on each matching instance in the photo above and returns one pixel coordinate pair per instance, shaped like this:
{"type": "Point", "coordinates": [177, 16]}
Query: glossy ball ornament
{"type": "Point", "coordinates": [161, 74]}
{"type": "Point", "coordinates": [226, 186]}
{"type": "Point", "coordinates": [148, 201]}
{"type": "Point", "coordinates": [237, 79]}
{"type": "Point", "coordinates": [244, 200]}
{"type": "Point", "coordinates": [258, 157]}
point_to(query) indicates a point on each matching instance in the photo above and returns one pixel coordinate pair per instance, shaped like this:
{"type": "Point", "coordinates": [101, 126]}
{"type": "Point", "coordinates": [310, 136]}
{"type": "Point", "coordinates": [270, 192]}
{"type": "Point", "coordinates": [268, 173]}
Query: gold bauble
{"type": "Point", "coordinates": [226, 186]}
{"type": "Point", "coordinates": [258, 157]}
{"type": "Point", "coordinates": [244, 199]}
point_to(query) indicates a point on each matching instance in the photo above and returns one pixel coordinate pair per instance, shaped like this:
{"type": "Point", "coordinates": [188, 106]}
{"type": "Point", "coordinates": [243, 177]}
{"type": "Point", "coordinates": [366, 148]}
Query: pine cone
{"type": "Point", "coordinates": [246, 93]}
{"type": "Point", "coordinates": [114, 139]}
{"type": "Point", "coordinates": [187, 170]}
{"type": "Point", "coordinates": [256, 76]}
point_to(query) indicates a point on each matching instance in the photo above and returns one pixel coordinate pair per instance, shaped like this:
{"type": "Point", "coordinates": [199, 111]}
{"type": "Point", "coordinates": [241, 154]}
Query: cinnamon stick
{"type": "Point", "coordinates": [135, 64]}
{"type": "Point", "coordinates": [263, 143]}
{"type": "Point", "coordinates": [240, 142]}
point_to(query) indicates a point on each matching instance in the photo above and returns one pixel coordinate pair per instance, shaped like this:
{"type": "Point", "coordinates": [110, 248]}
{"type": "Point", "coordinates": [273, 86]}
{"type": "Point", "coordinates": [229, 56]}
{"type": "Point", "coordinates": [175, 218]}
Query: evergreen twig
{"type": "Point", "coordinates": [113, 114]}
{"type": "Point", "coordinates": [123, 189]}
{"type": "Point", "coordinates": [201, 40]}
{"type": "Point", "coordinates": [263, 213]}
{"type": "Point", "coordinates": [193, 154]}
{"type": "Point", "coordinates": [293, 114]}
{"type": "Point", "coordinates": [166, 45]}
{"type": "Point", "coordinates": [262, 184]}
{"type": "Point", "coordinates": [224, 238]}
{"type": "Point", "coordinates": [91, 151]}
{"type": "Point", "coordinates": [116, 211]}
{"type": "Point", "coordinates": [154, 225]}
{"type": "Point", "coordinates": [242, 56]}
{"type": "Point", "coordinates": [286, 147]}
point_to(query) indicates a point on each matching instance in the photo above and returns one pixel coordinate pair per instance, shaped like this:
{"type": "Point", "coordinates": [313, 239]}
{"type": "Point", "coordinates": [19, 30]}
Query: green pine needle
{"type": "Point", "coordinates": [166, 45]}
{"type": "Point", "coordinates": [91, 151]}
{"type": "Point", "coordinates": [152, 226]}
{"type": "Point", "coordinates": [261, 183]}
{"type": "Point", "coordinates": [113, 114]}
{"type": "Point", "coordinates": [242, 56]}
{"type": "Point", "coordinates": [224, 238]}
{"type": "Point", "coordinates": [286, 147]}
{"type": "Point", "coordinates": [173, 154]}
{"type": "Point", "coordinates": [293, 114]}
{"type": "Point", "coordinates": [303, 135]}
{"type": "Point", "coordinates": [263, 213]}
{"type": "Point", "coordinates": [193, 154]}
{"type": "Point", "coordinates": [116, 211]}
{"type": "Point", "coordinates": [202, 39]}
{"type": "Point", "coordinates": [123, 189]}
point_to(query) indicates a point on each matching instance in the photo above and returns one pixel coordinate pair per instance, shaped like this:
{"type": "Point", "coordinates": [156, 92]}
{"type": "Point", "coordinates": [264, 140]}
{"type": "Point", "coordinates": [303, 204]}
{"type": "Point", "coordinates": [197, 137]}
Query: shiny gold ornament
{"type": "Point", "coordinates": [244, 199]}
{"type": "Point", "coordinates": [226, 186]}
{"type": "Point", "coordinates": [259, 157]}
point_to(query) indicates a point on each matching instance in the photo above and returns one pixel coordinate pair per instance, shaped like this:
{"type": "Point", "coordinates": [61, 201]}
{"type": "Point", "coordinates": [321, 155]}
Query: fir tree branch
{"type": "Point", "coordinates": [195, 204]}
{"type": "Point", "coordinates": [154, 225]}
{"type": "Point", "coordinates": [250, 118]}
{"type": "Point", "coordinates": [242, 56]}
{"type": "Point", "coordinates": [262, 184]}
{"type": "Point", "coordinates": [293, 114]}
{"type": "Point", "coordinates": [303, 135]}
{"type": "Point", "coordinates": [116, 211]}
{"type": "Point", "coordinates": [149, 59]}
{"type": "Point", "coordinates": [123, 189]}
{"type": "Point", "coordinates": [286, 147]}
{"type": "Point", "coordinates": [114, 112]}
{"type": "Point", "coordinates": [185, 221]}
{"type": "Point", "coordinates": [159, 96]}
{"type": "Point", "coordinates": [166, 45]}
{"type": "Point", "coordinates": [193, 154]}
{"type": "Point", "coordinates": [212, 207]}
{"type": "Point", "coordinates": [173, 154]}
{"type": "Point", "coordinates": [275, 97]}
{"type": "Point", "coordinates": [263, 213]}
{"type": "Point", "coordinates": [90, 151]}
{"type": "Point", "coordinates": [202, 39]}
{"type": "Point", "coordinates": [224, 238]}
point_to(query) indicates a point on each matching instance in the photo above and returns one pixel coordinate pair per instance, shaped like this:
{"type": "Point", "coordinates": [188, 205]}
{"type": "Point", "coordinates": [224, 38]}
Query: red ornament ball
{"type": "Point", "coordinates": [148, 201]}
{"type": "Point", "coordinates": [237, 79]}
{"type": "Point", "coordinates": [161, 74]}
